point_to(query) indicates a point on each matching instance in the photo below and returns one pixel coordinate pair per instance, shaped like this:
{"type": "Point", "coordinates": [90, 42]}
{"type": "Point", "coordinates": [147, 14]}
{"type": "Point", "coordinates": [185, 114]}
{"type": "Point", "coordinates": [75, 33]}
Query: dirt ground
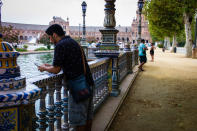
{"type": "Point", "coordinates": [163, 97]}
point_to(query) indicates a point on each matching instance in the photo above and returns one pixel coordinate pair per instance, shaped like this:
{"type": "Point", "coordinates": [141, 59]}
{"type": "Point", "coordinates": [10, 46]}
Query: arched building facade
{"type": "Point", "coordinates": [32, 32]}
{"type": "Point", "coordinates": [145, 34]}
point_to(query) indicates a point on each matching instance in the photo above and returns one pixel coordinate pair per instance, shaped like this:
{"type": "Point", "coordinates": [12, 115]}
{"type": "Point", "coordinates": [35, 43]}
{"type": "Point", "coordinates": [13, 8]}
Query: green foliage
{"type": "Point", "coordinates": [21, 49]}
{"type": "Point", "coordinates": [88, 39]}
{"type": "Point", "coordinates": [165, 18]}
{"type": "Point", "coordinates": [41, 49]}
{"type": "Point", "coordinates": [45, 40]}
{"type": "Point", "coordinates": [188, 6]}
{"type": "Point", "coordinates": [9, 34]}
{"type": "Point", "coordinates": [181, 39]}
{"type": "Point", "coordinates": [160, 45]}
{"type": "Point", "coordinates": [91, 39]}
{"type": "Point", "coordinates": [49, 46]}
{"type": "Point", "coordinates": [25, 47]}
{"type": "Point", "coordinates": [77, 39]}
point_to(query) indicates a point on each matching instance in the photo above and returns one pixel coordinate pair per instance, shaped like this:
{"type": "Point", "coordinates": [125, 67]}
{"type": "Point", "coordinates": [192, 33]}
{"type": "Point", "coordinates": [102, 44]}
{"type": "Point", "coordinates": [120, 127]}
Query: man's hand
{"type": "Point", "coordinates": [42, 68]}
{"type": "Point", "coordinates": [49, 68]}
{"type": "Point", "coordinates": [47, 65]}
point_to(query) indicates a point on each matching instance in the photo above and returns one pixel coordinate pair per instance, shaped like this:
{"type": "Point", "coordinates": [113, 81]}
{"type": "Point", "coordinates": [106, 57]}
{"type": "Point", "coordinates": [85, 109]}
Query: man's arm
{"type": "Point", "coordinates": [49, 68]}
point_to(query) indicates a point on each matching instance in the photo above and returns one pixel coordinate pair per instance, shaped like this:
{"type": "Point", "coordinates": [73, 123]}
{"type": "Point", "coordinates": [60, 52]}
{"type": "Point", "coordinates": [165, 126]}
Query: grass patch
{"type": "Point", "coordinates": [41, 49]}
{"type": "Point", "coordinates": [21, 49]}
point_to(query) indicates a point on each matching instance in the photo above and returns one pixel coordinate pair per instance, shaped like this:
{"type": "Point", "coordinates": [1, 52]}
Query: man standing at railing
{"type": "Point", "coordinates": [142, 54]}
{"type": "Point", "coordinates": [69, 57]}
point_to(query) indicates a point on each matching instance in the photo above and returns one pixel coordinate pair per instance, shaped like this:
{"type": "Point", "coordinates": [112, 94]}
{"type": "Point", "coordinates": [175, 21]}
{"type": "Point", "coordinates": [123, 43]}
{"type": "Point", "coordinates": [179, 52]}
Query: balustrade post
{"type": "Point", "coordinates": [115, 78]}
{"type": "Point", "coordinates": [51, 107]}
{"type": "Point", "coordinates": [106, 85]}
{"type": "Point", "coordinates": [34, 117]}
{"type": "Point", "coordinates": [58, 104]}
{"type": "Point", "coordinates": [129, 62]}
{"type": "Point", "coordinates": [109, 75]}
{"type": "Point", "coordinates": [65, 126]}
{"type": "Point", "coordinates": [136, 57]}
{"type": "Point", "coordinates": [42, 111]}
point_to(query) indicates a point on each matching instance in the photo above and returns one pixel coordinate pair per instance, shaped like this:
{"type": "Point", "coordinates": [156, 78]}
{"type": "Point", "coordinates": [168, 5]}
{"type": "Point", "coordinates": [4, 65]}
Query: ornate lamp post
{"type": "Point", "coordinates": [83, 41]}
{"type": "Point", "coordinates": [140, 7]}
{"type": "Point", "coordinates": [109, 47]}
{"type": "Point", "coordinates": [84, 6]}
{"type": "Point", "coordinates": [79, 31]}
{"type": "Point", "coordinates": [1, 3]}
{"type": "Point", "coordinates": [127, 46]}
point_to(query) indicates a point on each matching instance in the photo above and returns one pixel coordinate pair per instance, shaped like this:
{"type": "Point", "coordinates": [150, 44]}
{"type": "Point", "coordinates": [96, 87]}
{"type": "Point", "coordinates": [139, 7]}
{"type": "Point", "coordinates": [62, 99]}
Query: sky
{"type": "Point", "coordinates": [42, 11]}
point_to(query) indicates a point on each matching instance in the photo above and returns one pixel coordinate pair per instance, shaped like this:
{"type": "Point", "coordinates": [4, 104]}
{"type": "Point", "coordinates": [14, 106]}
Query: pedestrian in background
{"type": "Point", "coordinates": [152, 51]}
{"type": "Point", "coordinates": [142, 54]}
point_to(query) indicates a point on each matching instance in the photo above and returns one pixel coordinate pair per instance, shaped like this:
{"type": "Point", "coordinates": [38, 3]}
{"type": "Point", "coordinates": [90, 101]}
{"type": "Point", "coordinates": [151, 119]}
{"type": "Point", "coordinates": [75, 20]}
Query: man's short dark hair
{"type": "Point", "coordinates": [142, 40]}
{"type": "Point", "coordinates": [55, 28]}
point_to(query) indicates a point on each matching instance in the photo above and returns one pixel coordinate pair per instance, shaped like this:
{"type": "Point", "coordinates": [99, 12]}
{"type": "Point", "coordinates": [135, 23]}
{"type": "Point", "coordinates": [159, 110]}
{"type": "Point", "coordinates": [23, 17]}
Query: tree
{"type": "Point", "coordinates": [165, 19]}
{"type": "Point", "coordinates": [44, 39]}
{"type": "Point", "coordinates": [9, 34]}
{"type": "Point", "coordinates": [189, 8]}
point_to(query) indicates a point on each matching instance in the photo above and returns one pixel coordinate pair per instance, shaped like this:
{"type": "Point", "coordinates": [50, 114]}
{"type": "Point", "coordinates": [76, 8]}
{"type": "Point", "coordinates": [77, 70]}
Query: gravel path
{"type": "Point", "coordinates": [163, 97]}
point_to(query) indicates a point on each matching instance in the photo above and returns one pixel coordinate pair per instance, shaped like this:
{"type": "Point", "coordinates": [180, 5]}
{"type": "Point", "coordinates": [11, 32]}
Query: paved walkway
{"type": "Point", "coordinates": [163, 98]}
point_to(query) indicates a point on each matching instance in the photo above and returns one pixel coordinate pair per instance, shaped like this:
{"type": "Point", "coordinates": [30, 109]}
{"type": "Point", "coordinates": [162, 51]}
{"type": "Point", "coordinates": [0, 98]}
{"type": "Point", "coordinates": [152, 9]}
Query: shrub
{"type": "Point", "coordinates": [41, 49]}
{"type": "Point", "coordinates": [25, 47]}
{"type": "Point", "coordinates": [21, 49]}
{"type": "Point", "coordinates": [48, 46]}
{"type": "Point", "coordinates": [160, 45]}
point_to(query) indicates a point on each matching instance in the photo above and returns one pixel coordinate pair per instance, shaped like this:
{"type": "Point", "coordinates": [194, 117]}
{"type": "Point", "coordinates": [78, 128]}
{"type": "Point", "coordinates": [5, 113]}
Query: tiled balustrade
{"type": "Point", "coordinates": [50, 111]}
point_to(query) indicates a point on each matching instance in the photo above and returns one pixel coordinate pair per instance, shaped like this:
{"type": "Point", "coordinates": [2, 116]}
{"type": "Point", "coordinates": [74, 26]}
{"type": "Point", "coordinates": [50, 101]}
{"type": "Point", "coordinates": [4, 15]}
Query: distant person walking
{"type": "Point", "coordinates": [142, 54]}
{"type": "Point", "coordinates": [164, 48]}
{"type": "Point", "coordinates": [152, 51]}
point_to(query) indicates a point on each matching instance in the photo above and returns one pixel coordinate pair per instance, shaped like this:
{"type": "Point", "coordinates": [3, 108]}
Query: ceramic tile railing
{"type": "Point", "coordinates": [122, 66]}
{"type": "Point", "coordinates": [50, 111]}
{"type": "Point", "coordinates": [52, 107]}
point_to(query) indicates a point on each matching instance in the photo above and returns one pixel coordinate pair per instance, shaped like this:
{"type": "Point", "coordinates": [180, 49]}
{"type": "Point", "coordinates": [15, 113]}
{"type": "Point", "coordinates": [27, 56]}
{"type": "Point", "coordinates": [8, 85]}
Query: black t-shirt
{"type": "Point", "coordinates": [68, 56]}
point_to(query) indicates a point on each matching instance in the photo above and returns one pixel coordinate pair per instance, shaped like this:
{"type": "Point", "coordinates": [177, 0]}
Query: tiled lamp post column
{"type": "Point", "coordinates": [83, 41]}
{"type": "Point", "coordinates": [1, 3]}
{"type": "Point", "coordinates": [109, 47]}
{"type": "Point", "coordinates": [140, 7]}
{"type": "Point", "coordinates": [127, 46]}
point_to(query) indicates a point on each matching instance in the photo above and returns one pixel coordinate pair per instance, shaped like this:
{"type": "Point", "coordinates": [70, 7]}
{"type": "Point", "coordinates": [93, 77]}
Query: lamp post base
{"type": "Point", "coordinates": [115, 93]}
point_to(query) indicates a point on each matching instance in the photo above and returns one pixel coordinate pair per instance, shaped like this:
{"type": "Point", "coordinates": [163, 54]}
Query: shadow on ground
{"type": "Point", "coordinates": [163, 98]}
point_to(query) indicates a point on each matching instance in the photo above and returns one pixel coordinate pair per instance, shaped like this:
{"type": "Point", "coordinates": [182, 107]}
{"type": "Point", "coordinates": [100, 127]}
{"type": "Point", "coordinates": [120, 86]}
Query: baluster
{"type": "Point", "coordinates": [115, 78]}
{"type": "Point", "coordinates": [100, 83]}
{"type": "Point", "coordinates": [94, 93]}
{"type": "Point", "coordinates": [106, 78]}
{"type": "Point", "coordinates": [97, 88]}
{"type": "Point", "coordinates": [103, 82]}
{"type": "Point", "coordinates": [58, 103]}
{"type": "Point", "coordinates": [65, 126]}
{"type": "Point", "coordinates": [136, 57]}
{"type": "Point", "coordinates": [34, 117]}
{"type": "Point", "coordinates": [133, 58]}
{"type": "Point", "coordinates": [42, 110]}
{"type": "Point", "coordinates": [51, 107]}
